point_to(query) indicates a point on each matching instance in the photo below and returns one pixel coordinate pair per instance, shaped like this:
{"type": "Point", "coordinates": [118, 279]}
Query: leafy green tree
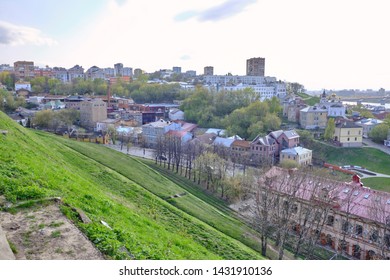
{"type": "Point", "coordinates": [330, 129]}
{"type": "Point", "coordinates": [272, 122]}
{"type": "Point", "coordinates": [199, 107]}
{"type": "Point", "coordinates": [387, 120]}
{"type": "Point", "coordinates": [380, 132]}
{"type": "Point", "coordinates": [43, 119]}
{"type": "Point", "coordinates": [8, 102]}
{"type": "Point", "coordinates": [39, 84]}
{"type": "Point", "coordinates": [274, 105]}
{"type": "Point", "coordinates": [68, 117]}
{"type": "Point", "coordinates": [8, 79]}
{"type": "Point", "coordinates": [255, 129]}
{"type": "Point", "coordinates": [53, 84]}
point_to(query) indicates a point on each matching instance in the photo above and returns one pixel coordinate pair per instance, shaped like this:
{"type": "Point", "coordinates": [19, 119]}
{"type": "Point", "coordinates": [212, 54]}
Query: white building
{"type": "Point", "coordinates": [265, 87]}
{"type": "Point", "coordinates": [128, 71]}
{"type": "Point", "coordinates": [176, 114]}
{"type": "Point", "coordinates": [104, 125]}
{"type": "Point", "coordinates": [300, 155]}
{"type": "Point", "coordinates": [61, 74]}
{"type": "Point", "coordinates": [152, 131]}
{"type": "Point", "coordinates": [22, 85]}
{"type": "Point", "coordinates": [264, 91]}
{"type": "Point", "coordinates": [94, 73]}
{"type": "Point", "coordinates": [224, 80]}
{"type": "Point", "coordinates": [368, 125]}
{"type": "Point", "coordinates": [334, 106]}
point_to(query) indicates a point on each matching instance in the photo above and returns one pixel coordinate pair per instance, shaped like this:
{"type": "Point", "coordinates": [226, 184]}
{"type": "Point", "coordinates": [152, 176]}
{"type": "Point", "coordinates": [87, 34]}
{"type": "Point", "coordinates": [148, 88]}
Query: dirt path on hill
{"type": "Point", "coordinates": [44, 233]}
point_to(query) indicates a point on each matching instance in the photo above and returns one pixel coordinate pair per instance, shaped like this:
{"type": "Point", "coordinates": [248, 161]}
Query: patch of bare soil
{"type": "Point", "coordinates": [44, 233]}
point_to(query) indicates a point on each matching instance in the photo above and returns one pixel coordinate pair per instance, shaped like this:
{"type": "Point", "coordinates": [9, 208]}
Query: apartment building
{"type": "Point", "coordinates": [255, 66]}
{"type": "Point", "coordinates": [24, 70]}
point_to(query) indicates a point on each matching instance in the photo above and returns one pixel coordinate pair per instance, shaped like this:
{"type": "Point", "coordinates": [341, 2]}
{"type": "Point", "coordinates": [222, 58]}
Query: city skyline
{"type": "Point", "coordinates": [325, 44]}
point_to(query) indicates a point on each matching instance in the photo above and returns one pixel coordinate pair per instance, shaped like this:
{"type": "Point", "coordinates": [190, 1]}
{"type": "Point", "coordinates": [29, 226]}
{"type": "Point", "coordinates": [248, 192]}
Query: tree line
{"type": "Point", "coordinates": [239, 112]}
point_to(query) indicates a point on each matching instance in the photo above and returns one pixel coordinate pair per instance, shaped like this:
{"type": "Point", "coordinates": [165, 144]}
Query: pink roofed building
{"type": "Point", "coordinates": [355, 219]}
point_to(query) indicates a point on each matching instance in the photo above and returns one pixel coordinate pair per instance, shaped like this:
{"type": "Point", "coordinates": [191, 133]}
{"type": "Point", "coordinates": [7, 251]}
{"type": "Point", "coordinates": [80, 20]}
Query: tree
{"type": "Point", "coordinates": [379, 230]}
{"type": "Point", "coordinates": [265, 199]}
{"type": "Point", "coordinates": [68, 117]}
{"type": "Point", "coordinates": [43, 119]}
{"type": "Point", "coordinates": [380, 132]}
{"type": "Point", "coordinates": [289, 163]}
{"type": "Point", "coordinates": [272, 122]}
{"type": "Point", "coordinates": [295, 88]}
{"type": "Point", "coordinates": [330, 129]}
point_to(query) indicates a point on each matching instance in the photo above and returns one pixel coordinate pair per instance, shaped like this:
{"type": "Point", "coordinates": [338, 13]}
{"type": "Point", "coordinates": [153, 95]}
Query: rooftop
{"type": "Point", "coordinates": [296, 151]}
{"type": "Point", "coordinates": [223, 141]}
{"type": "Point", "coordinates": [346, 197]}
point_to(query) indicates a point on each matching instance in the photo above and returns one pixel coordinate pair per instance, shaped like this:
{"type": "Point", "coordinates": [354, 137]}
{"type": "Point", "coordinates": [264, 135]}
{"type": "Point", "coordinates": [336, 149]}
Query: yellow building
{"type": "Point", "coordinates": [348, 134]}
{"type": "Point", "coordinates": [313, 117]}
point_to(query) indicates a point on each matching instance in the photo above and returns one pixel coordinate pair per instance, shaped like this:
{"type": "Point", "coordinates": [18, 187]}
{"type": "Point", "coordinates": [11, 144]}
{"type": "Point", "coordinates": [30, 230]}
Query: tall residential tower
{"type": "Point", "coordinates": [255, 66]}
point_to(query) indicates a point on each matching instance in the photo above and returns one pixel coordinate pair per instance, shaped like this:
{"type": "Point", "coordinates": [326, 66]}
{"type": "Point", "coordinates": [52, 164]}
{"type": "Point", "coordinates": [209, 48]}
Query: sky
{"type": "Point", "coordinates": [322, 44]}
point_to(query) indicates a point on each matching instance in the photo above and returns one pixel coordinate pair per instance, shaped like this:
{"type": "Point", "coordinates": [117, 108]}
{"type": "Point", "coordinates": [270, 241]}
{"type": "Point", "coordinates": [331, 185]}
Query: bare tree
{"type": "Point", "coordinates": [264, 201]}
{"type": "Point", "coordinates": [379, 213]}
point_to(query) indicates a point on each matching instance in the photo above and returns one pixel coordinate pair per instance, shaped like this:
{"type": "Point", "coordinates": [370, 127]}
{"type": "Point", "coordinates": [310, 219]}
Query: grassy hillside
{"type": "Point", "coordinates": [309, 99]}
{"type": "Point", "coordinates": [125, 193]}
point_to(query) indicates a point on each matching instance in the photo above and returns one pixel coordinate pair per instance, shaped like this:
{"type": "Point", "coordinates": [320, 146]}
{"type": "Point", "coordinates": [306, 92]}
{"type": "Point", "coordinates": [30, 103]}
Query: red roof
{"type": "Point", "coordinates": [177, 133]}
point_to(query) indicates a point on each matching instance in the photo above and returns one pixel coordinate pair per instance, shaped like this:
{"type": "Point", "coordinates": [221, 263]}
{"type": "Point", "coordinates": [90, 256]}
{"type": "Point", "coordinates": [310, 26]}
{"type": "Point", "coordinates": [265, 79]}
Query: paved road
{"type": "Point", "coordinates": [5, 250]}
{"type": "Point", "coordinates": [377, 146]}
{"type": "Point", "coordinates": [134, 151]}
{"type": "Point", "coordinates": [364, 175]}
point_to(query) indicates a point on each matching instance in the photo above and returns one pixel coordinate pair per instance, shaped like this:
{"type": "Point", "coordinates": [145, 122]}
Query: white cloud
{"type": "Point", "coordinates": [15, 35]}
{"type": "Point", "coordinates": [227, 9]}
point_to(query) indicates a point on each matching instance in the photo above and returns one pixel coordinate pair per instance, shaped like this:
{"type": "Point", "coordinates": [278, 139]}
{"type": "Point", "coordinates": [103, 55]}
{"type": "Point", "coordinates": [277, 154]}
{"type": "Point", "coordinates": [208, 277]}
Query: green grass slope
{"type": "Point", "coordinates": [35, 165]}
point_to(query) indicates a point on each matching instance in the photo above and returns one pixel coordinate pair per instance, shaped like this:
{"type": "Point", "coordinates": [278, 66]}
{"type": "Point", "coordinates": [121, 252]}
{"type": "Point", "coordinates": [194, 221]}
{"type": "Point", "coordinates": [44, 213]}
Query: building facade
{"type": "Point", "coordinates": [348, 134]}
{"type": "Point", "coordinates": [313, 117]}
{"type": "Point", "coordinates": [346, 217]}
{"type": "Point", "coordinates": [368, 125]}
{"type": "Point", "coordinates": [76, 72]}
{"type": "Point", "coordinates": [91, 112]}
{"type": "Point", "coordinates": [255, 66]}
{"type": "Point", "coordinates": [208, 71]}
{"type": "Point", "coordinates": [24, 69]}
{"type": "Point", "coordinates": [154, 130]}
{"type": "Point", "coordinates": [301, 156]}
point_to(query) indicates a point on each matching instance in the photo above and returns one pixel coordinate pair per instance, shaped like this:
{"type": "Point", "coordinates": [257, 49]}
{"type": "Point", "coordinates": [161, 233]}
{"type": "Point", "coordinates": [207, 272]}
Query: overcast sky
{"type": "Point", "coordinates": [322, 44]}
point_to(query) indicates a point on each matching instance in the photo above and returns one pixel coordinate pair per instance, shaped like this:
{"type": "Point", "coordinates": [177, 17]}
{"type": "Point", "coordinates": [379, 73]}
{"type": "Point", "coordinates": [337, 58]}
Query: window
{"type": "Point", "coordinates": [317, 216]}
{"type": "Point", "coordinates": [294, 208]}
{"type": "Point", "coordinates": [345, 226]}
{"type": "Point", "coordinates": [359, 230]}
{"type": "Point", "coordinates": [348, 139]}
{"type": "Point", "coordinates": [330, 221]}
{"type": "Point", "coordinates": [355, 138]}
{"type": "Point", "coordinates": [343, 245]}
{"type": "Point", "coordinates": [374, 236]}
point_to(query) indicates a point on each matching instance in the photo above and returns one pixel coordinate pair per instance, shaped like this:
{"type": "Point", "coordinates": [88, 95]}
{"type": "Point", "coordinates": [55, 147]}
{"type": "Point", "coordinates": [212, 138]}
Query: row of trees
{"type": "Point", "coordinates": [209, 167]}
{"type": "Point", "coordinates": [139, 90]}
